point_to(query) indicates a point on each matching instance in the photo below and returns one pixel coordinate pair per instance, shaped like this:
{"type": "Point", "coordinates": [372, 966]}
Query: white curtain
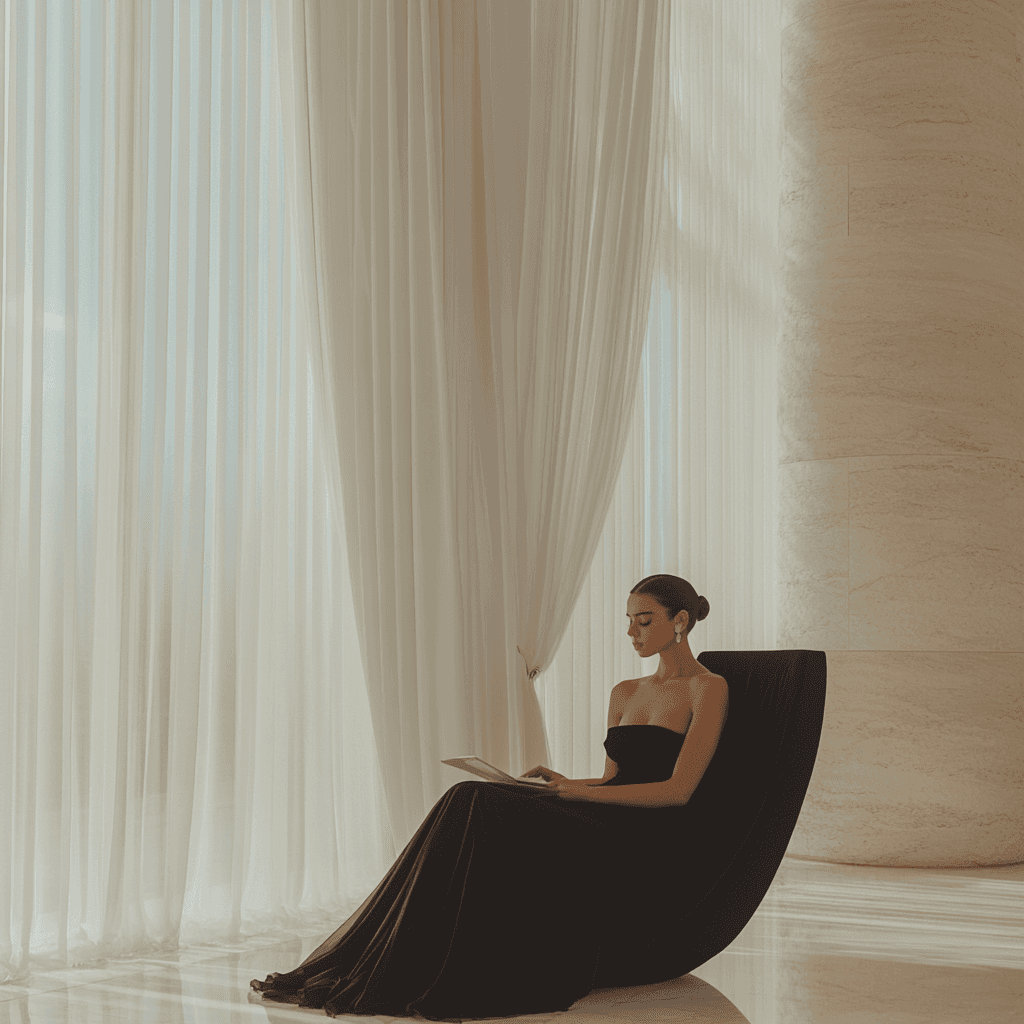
{"type": "Point", "coordinates": [186, 749]}
{"type": "Point", "coordinates": [695, 496]}
{"type": "Point", "coordinates": [477, 186]}
{"type": "Point", "coordinates": [187, 734]}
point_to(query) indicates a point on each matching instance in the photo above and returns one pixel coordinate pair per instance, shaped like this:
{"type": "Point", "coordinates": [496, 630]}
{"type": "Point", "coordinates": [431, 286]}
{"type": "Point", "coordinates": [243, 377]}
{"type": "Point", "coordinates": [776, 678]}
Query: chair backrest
{"type": "Point", "coordinates": [743, 812]}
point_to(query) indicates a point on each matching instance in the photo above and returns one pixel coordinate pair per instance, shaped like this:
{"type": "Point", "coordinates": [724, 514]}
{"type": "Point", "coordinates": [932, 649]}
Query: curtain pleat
{"type": "Point", "coordinates": [189, 756]}
{"type": "Point", "coordinates": [584, 298]}
{"type": "Point", "coordinates": [695, 491]}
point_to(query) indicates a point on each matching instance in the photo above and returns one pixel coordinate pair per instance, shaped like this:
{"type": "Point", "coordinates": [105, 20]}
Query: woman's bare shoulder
{"type": "Point", "coordinates": [622, 692]}
{"type": "Point", "coordinates": [700, 681]}
{"type": "Point", "coordinates": [628, 685]}
{"type": "Point", "coordinates": [698, 688]}
{"type": "Point", "coordinates": [709, 678]}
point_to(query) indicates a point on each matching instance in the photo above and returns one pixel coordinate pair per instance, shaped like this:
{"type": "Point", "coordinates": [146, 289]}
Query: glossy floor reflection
{"type": "Point", "coordinates": [831, 944]}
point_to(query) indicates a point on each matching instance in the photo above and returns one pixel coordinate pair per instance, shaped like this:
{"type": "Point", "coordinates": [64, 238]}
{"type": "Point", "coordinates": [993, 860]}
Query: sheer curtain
{"type": "Point", "coordinates": [188, 738]}
{"type": "Point", "coordinates": [695, 494]}
{"type": "Point", "coordinates": [187, 747]}
{"type": "Point", "coordinates": [478, 187]}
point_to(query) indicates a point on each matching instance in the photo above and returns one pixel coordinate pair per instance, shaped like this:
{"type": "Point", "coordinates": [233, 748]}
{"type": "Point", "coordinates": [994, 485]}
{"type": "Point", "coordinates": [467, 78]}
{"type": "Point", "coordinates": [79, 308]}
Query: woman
{"type": "Point", "coordinates": [518, 899]}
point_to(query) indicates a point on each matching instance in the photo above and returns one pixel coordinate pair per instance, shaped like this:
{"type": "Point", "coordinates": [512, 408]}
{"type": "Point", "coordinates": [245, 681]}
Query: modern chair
{"type": "Point", "coordinates": [742, 814]}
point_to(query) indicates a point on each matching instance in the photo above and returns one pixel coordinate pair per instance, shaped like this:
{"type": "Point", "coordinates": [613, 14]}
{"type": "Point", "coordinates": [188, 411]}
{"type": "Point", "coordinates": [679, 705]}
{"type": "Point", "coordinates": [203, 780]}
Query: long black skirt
{"type": "Point", "coordinates": [508, 900]}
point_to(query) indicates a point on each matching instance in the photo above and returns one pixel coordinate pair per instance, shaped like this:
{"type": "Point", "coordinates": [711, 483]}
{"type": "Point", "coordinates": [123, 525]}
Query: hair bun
{"type": "Point", "coordinates": [674, 594]}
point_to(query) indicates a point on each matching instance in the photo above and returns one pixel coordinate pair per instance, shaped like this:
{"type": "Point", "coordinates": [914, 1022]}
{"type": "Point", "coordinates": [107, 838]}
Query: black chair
{"type": "Point", "coordinates": [742, 815]}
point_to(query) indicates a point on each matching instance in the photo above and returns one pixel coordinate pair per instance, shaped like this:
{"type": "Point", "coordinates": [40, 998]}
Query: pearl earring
{"type": "Point", "coordinates": [679, 635]}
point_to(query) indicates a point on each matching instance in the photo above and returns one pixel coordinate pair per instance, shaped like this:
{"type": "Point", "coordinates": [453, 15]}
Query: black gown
{"type": "Point", "coordinates": [509, 900]}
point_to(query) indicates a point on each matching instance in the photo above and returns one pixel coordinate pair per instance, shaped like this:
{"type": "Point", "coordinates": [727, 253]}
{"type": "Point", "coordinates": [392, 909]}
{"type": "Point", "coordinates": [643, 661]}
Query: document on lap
{"type": "Point", "coordinates": [487, 771]}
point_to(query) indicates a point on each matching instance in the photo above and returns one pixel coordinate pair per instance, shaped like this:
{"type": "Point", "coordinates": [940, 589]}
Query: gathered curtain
{"type": "Point", "coordinates": [187, 752]}
{"type": "Point", "coordinates": [477, 188]}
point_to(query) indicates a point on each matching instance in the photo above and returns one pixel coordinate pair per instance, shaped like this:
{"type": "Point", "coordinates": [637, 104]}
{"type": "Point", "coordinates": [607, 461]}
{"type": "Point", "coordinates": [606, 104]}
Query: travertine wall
{"type": "Point", "coordinates": [901, 423]}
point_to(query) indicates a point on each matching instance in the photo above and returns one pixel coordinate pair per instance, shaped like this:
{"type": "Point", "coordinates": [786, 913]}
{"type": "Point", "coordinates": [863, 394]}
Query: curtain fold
{"type": "Point", "coordinates": [477, 187]}
{"type": "Point", "coordinates": [187, 752]}
{"type": "Point", "coordinates": [595, 204]}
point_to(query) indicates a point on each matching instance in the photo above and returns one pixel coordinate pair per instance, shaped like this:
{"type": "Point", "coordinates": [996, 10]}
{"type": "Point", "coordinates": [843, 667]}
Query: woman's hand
{"type": "Point", "coordinates": [571, 789]}
{"type": "Point", "coordinates": [563, 788]}
{"type": "Point", "coordinates": [542, 772]}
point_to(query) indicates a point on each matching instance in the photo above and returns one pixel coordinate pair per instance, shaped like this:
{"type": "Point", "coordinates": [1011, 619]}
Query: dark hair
{"type": "Point", "coordinates": [674, 594]}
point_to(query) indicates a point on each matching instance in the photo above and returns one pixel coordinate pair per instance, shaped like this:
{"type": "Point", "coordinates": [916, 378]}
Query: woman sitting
{"type": "Point", "coordinates": [589, 866]}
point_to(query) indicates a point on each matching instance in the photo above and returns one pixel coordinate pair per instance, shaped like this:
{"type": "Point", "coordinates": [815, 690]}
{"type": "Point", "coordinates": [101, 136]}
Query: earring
{"type": "Point", "coordinates": [679, 635]}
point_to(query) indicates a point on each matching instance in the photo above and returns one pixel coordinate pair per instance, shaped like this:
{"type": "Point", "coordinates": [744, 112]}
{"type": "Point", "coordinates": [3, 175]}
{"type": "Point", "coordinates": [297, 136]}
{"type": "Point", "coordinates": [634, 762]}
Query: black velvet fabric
{"type": "Point", "coordinates": [509, 900]}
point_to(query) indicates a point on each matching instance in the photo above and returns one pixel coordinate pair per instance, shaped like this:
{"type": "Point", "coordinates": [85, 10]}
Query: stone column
{"type": "Point", "coordinates": [901, 423]}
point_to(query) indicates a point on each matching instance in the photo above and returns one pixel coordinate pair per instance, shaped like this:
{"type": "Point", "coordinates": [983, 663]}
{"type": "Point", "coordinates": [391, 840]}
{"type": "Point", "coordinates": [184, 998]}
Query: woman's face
{"type": "Point", "coordinates": [650, 628]}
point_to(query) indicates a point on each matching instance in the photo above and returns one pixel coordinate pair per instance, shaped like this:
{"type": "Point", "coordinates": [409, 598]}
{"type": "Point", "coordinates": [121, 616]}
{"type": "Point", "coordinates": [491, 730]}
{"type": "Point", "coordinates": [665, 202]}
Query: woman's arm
{"type": "Point", "coordinates": [641, 794]}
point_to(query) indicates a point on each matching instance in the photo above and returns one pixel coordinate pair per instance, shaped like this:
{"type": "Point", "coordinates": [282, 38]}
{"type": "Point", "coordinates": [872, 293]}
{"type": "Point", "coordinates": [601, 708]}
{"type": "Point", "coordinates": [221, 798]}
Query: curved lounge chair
{"type": "Point", "coordinates": [743, 812]}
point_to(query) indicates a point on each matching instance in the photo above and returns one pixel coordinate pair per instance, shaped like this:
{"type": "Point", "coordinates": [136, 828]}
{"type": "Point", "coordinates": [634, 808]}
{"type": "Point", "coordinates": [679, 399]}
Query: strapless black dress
{"type": "Point", "coordinates": [509, 900]}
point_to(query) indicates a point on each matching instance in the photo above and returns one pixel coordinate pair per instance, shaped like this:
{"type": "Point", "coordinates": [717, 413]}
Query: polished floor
{"type": "Point", "coordinates": [830, 944]}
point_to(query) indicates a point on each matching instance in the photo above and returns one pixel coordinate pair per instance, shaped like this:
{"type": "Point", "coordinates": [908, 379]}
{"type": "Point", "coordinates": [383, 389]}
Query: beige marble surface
{"type": "Point", "coordinates": [830, 944]}
{"type": "Point", "coordinates": [874, 797]}
{"type": "Point", "coordinates": [901, 553]}
{"type": "Point", "coordinates": [883, 78]}
{"type": "Point", "coordinates": [898, 346]}
{"type": "Point", "coordinates": [900, 488]}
